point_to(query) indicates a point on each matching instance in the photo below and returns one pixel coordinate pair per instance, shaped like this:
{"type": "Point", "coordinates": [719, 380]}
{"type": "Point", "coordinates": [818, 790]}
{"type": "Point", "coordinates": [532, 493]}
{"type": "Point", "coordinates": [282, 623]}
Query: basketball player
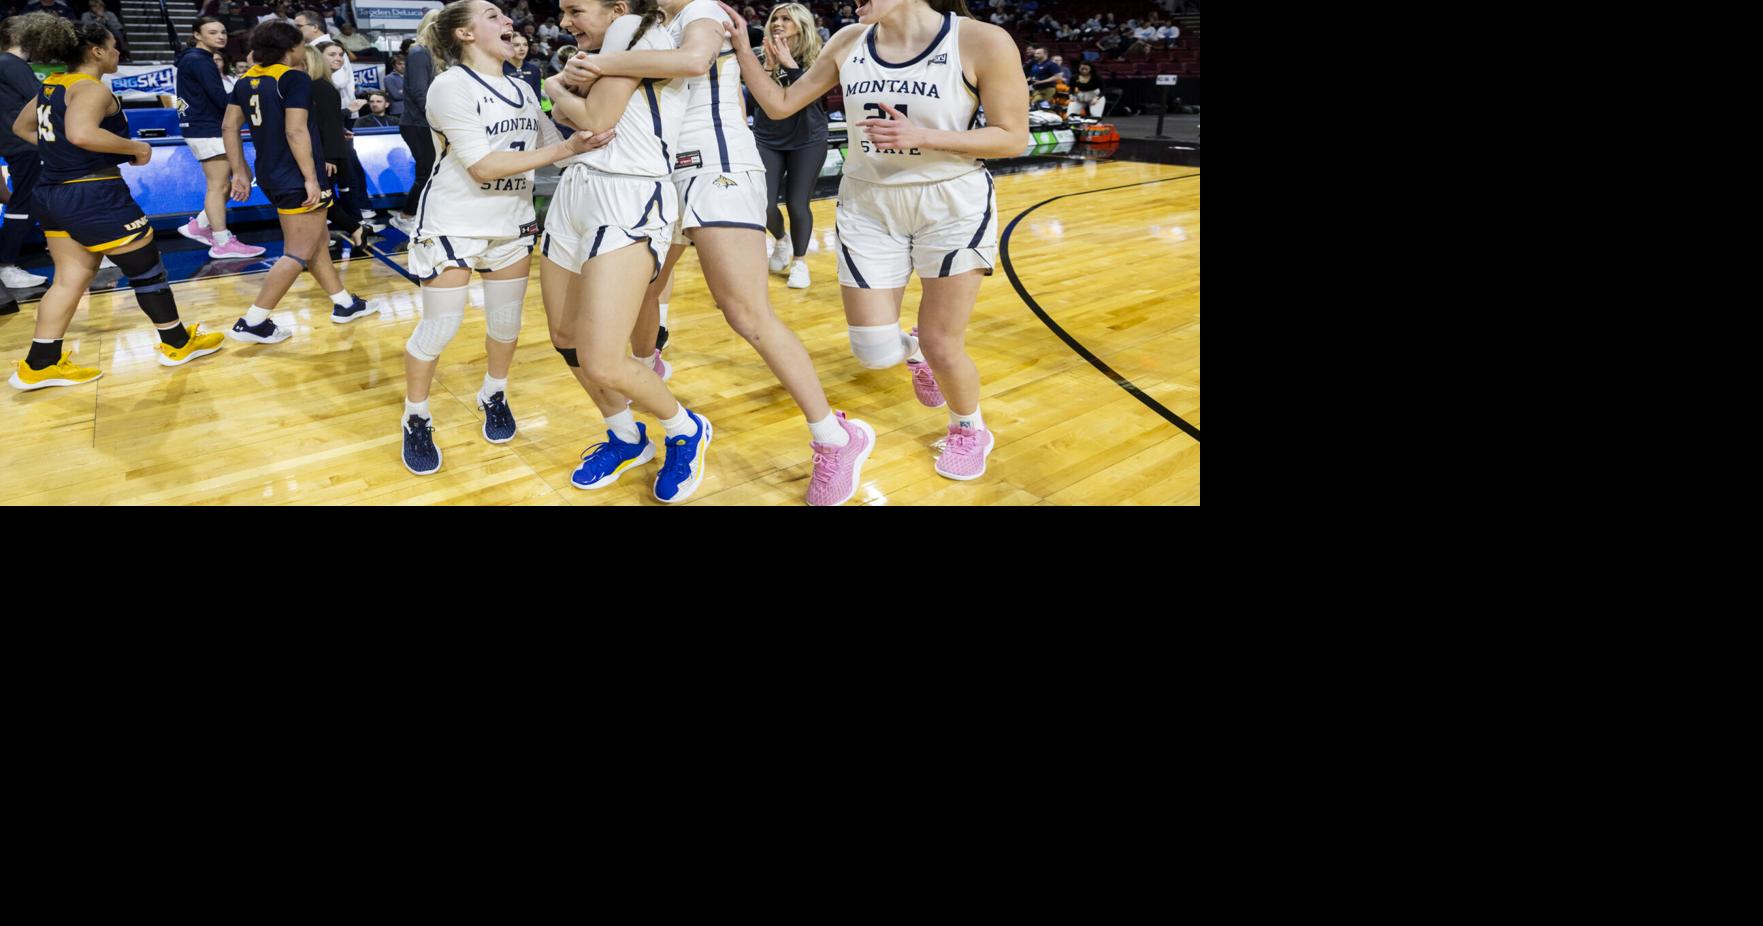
{"type": "Point", "coordinates": [201, 105]}
{"type": "Point", "coordinates": [915, 195]}
{"type": "Point", "coordinates": [475, 214]}
{"type": "Point", "coordinates": [721, 183]}
{"type": "Point", "coordinates": [606, 202]}
{"type": "Point", "coordinates": [276, 95]}
{"type": "Point", "coordinates": [84, 205]}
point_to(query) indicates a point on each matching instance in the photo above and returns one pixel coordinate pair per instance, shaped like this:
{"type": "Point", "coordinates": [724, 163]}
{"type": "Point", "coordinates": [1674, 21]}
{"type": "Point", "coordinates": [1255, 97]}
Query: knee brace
{"type": "Point", "coordinates": [878, 347]}
{"type": "Point", "coordinates": [146, 273]}
{"type": "Point", "coordinates": [443, 311]}
{"type": "Point", "coordinates": [297, 261]}
{"type": "Point", "coordinates": [502, 303]}
{"type": "Point", "coordinates": [569, 356]}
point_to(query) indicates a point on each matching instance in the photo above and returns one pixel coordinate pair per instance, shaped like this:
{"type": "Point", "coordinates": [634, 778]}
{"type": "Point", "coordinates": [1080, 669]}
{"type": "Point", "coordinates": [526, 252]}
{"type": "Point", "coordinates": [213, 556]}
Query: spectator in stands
{"type": "Point", "coordinates": [755, 28]}
{"type": "Point", "coordinates": [528, 71]}
{"type": "Point", "coordinates": [378, 112]}
{"type": "Point", "coordinates": [98, 14]}
{"type": "Point", "coordinates": [395, 86]}
{"type": "Point", "coordinates": [847, 16]}
{"type": "Point", "coordinates": [283, 13]}
{"type": "Point", "coordinates": [1000, 18]}
{"type": "Point", "coordinates": [1168, 34]}
{"type": "Point", "coordinates": [1064, 72]}
{"type": "Point", "coordinates": [1087, 93]}
{"type": "Point", "coordinates": [1111, 43]}
{"type": "Point", "coordinates": [1142, 37]}
{"type": "Point", "coordinates": [561, 55]}
{"type": "Point", "coordinates": [1043, 76]}
{"type": "Point", "coordinates": [54, 6]}
{"type": "Point", "coordinates": [1092, 25]}
{"type": "Point", "coordinates": [235, 20]}
{"type": "Point", "coordinates": [359, 47]}
{"type": "Point", "coordinates": [549, 32]}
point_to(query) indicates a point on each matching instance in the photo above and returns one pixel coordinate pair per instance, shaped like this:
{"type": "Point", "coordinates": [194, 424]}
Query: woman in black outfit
{"type": "Point", "coordinates": [793, 149]}
{"type": "Point", "coordinates": [1088, 90]}
{"type": "Point", "coordinates": [419, 70]}
{"type": "Point", "coordinates": [327, 111]}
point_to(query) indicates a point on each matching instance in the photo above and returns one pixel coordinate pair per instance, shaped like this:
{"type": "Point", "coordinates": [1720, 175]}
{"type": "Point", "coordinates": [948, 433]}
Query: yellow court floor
{"type": "Point", "coordinates": [315, 420]}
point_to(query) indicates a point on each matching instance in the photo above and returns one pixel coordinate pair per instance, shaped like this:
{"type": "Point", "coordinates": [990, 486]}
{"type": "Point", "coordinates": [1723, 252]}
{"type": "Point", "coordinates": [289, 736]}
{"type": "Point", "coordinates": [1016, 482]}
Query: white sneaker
{"type": "Point", "coordinates": [18, 278]}
{"type": "Point", "coordinates": [780, 254]}
{"type": "Point", "coordinates": [367, 213]}
{"type": "Point", "coordinates": [405, 225]}
{"type": "Point", "coordinates": [799, 275]}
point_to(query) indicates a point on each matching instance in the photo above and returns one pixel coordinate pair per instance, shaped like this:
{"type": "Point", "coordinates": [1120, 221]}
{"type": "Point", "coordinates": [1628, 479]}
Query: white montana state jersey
{"type": "Point", "coordinates": [471, 117]}
{"type": "Point", "coordinates": [929, 89]}
{"type": "Point", "coordinates": [715, 137]}
{"type": "Point", "coordinates": [648, 132]}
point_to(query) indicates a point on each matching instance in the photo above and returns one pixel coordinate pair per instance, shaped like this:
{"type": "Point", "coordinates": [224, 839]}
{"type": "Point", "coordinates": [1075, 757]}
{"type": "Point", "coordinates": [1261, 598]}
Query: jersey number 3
{"type": "Point", "coordinates": [256, 111]}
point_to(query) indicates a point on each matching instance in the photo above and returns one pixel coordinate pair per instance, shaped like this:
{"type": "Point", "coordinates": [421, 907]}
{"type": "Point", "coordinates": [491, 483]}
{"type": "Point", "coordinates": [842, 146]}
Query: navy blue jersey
{"type": "Point", "coordinates": [62, 159]}
{"type": "Point", "coordinates": [202, 97]}
{"type": "Point", "coordinates": [266, 94]}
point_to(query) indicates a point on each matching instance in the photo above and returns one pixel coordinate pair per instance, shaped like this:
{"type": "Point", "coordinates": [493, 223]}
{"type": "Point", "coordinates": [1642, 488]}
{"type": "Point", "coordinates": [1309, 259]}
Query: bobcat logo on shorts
{"type": "Point", "coordinates": [940, 59]}
{"type": "Point", "coordinates": [724, 182]}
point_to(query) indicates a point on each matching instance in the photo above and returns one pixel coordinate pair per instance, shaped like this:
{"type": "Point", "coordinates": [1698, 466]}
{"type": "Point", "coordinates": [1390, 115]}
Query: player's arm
{"type": "Point", "coordinates": [600, 110]}
{"type": "Point", "coordinates": [25, 126]}
{"type": "Point", "coordinates": [779, 101]}
{"type": "Point", "coordinates": [85, 109]}
{"type": "Point", "coordinates": [695, 57]}
{"type": "Point", "coordinates": [231, 125]}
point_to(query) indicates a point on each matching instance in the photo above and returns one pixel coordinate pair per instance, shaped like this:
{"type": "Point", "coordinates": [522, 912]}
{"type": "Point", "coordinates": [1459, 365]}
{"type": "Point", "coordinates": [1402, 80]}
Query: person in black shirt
{"type": "Point", "coordinates": [1087, 91]}
{"type": "Point", "coordinates": [327, 111]}
{"type": "Point", "coordinates": [793, 148]}
{"type": "Point", "coordinates": [18, 89]}
{"type": "Point", "coordinates": [378, 112]}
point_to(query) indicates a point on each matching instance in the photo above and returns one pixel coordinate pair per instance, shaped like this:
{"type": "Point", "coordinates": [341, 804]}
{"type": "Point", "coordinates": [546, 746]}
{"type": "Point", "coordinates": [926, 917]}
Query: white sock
{"type": "Point", "coordinates": [491, 387]}
{"type": "Point", "coordinates": [221, 236]}
{"type": "Point", "coordinates": [680, 424]}
{"type": "Point", "coordinates": [624, 425]}
{"type": "Point", "coordinates": [913, 353]}
{"type": "Point", "coordinates": [342, 299]}
{"type": "Point", "coordinates": [420, 409]}
{"type": "Point", "coordinates": [257, 316]}
{"type": "Point", "coordinates": [973, 421]}
{"type": "Point", "coordinates": [828, 431]}
{"type": "Point", "coordinates": [664, 313]}
{"type": "Point", "coordinates": [202, 219]}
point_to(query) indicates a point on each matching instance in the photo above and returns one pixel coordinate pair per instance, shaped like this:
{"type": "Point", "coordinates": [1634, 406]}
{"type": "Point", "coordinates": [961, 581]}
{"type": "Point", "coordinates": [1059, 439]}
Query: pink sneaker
{"type": "Point", "coordinates": [233, 249]}
{"type": "Point", "coordinates": [964, 453]}
{"type": "Point", "coordinates": [196, 231]}
{"type": "Point", "coordinates": [924, 382]}
{"type": "Point", "coordinates": [838, 469]}
{"type": "Point", "coordinates": [661, 367]}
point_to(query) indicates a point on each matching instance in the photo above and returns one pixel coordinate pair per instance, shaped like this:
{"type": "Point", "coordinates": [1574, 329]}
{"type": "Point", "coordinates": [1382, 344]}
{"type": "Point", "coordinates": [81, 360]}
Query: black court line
{"type": "Point", "coordinates": [1082, 351]}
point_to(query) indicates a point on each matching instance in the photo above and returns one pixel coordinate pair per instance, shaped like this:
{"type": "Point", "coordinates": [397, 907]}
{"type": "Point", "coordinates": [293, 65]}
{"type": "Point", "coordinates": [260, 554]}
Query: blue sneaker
{"type": "Point", "coordinates": [421, 456]}
{"type": "Point", "coordinates": [498, 419]}
{"type": "Point", "coordinates": [604, 462]}
{"type": "Point", "coordinates": [359, 309]}
{"type": "Point", "coordinates": [684, 469]}
{"type": "Point", "coordinates": [264, 332]}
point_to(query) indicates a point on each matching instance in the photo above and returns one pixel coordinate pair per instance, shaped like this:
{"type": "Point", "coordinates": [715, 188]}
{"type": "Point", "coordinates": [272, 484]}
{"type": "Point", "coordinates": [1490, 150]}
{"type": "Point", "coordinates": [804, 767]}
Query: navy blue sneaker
{"type": "Point", "coordinates": [604, 462]}
{"type": "Point", "coordinates": [264, 332]}
{"type": "Point", "coordinates": [359, 309]}
{"type": "Point", "coordinates": [684, 469]}
{"type": "Point", "coordinates": [498, 419]}
{"type": "Point", "coordinates": [421, 456]}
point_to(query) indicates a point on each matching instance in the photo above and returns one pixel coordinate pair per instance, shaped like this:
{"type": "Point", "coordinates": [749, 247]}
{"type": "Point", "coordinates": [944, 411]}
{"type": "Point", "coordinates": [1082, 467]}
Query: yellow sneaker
{"type": "Point", "coordinates": [61, 373]}
{"type": "Point", "coordinates": [200, 345]}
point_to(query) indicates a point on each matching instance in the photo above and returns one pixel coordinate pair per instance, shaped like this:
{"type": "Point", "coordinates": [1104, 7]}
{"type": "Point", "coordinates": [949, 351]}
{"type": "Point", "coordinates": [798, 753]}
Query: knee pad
{"type": "Point", "coordinates": [502, 303]}
{"type": "Point", "coordinates": [878, 347]}
{"type": "Point", "coordinates": [569, 356]}
{"type": "Point", "coordinates": [146, 273]}
{"type": "Point", "coordinates": [443, 311]}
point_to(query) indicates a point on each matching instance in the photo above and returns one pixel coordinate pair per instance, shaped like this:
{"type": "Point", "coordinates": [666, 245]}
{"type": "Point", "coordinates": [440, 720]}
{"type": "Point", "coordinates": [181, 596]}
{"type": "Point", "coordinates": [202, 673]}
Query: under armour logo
{"type": "Point", "coordinates": [856, 60]}
{"type": "Point", "coordinates": [940, 59]}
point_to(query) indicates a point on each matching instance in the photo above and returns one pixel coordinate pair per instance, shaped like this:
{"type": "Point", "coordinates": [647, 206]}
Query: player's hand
{"type": "Point", "coordinates": [143, 155]}
{"type": "Point", "coordinates": [580, 72]}
{"type": "Point", "coordinates": [735, 28]}
{"type": "Point", "coordinates": [241, 190]}
{"type": "Point", "coordinates": [777, 50]}
{"type": "Point", "coordinates": [897, 131]}
{"type": "Point", "coordinates": [330, 170]}
{"type": "Point", "coordinates": [582, 142]}
{"type": "Point", "coordinates": [311, 194]}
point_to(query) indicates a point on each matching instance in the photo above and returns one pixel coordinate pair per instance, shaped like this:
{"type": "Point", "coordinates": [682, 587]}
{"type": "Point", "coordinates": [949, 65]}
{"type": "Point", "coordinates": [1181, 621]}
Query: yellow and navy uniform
{"type": "Point", "coordinates": [83, 195]}
{"type": "Point", "coordinates": [266, 94]}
